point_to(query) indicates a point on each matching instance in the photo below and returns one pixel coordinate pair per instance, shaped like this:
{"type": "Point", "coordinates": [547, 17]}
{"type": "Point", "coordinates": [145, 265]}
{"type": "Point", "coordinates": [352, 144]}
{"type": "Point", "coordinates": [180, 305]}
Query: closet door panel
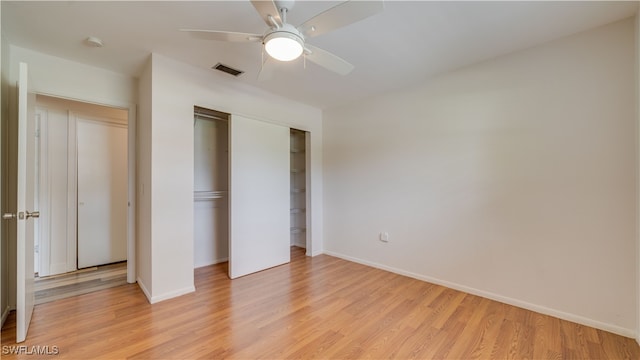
{"type": "Point", "coordinates": [102, 193]}
{"type": "Point", "coordinates": [259, 196]}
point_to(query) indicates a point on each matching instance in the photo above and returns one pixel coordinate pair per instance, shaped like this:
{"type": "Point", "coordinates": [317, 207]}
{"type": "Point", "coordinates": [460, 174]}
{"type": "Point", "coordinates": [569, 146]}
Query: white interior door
{"type": "Point", "coordinates": [259, 196]}
{"type": "Point", "coordinates": [25, 296]}
{"type": "Point", "coordinates": [102, 192]}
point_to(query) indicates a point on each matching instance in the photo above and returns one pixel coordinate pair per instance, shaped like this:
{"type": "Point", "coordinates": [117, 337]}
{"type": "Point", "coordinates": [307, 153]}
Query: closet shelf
{"type": "Point", "coordinates": [297, 151]}
{"type": "Point", "coordinates": [297, 191]}
{"type": "Point", "coordinates": [297, 171]}
{"type": "Point", "coordinates": [298, 210]}
{"type": "Point", "coordinates": [208, 195]}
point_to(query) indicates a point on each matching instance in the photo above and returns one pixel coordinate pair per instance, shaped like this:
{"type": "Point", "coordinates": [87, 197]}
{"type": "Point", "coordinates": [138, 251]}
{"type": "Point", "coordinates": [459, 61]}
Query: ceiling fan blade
{"type": "Point", "coordinates": [340, 15]}
{"type": "Point", "coordinates": [266, 9]}
{"type": "Point", "coordinates": [223, 35]}
{"type": "Point", "coordinates": [327, 60]}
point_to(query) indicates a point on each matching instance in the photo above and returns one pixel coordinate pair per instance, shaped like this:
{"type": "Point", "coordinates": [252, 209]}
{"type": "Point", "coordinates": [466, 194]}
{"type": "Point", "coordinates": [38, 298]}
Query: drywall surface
{"type": "Point", "coordinates": [63, 78]}
{"type": "Point", "coordinates": [514, 179]}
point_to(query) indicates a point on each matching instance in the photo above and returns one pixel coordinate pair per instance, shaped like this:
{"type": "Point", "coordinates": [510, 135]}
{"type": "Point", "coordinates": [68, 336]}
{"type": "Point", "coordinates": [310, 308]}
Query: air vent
{"type": "Point", "coordinates": [227, 69]}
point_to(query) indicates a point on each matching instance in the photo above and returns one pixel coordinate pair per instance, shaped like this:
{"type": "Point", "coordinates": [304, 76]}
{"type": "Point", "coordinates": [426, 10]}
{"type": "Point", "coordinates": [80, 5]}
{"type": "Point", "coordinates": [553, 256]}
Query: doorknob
{"type": "Point", "coordinates": [21, 215]}
{"type": "Point", "coordinates": [8, 216]}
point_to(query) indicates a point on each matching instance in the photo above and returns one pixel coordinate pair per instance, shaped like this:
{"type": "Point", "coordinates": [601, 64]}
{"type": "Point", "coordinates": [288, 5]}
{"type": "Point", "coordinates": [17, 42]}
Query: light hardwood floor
{"type": "Point", "coordinates": [320, 307]}
{"type": "Point", "coordinates": [80, 282]}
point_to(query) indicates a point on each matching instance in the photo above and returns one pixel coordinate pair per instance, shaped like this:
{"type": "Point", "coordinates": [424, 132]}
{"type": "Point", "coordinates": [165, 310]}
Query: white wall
{"type": "Point", "coordinates": [63, 78]}
{"type": "Point", "coordinates": [175, 89]}
{"type": "Point", "coordinates": [513, 179]}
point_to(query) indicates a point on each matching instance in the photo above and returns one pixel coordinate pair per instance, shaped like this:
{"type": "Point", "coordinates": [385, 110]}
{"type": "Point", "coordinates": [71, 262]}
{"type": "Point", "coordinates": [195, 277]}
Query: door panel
{"type": "Point", "coordinates": [259, 196]}
{"type": "Point", "coordinates": [25, 200]}
{"type": "Point", "coordinates": [102, 192]}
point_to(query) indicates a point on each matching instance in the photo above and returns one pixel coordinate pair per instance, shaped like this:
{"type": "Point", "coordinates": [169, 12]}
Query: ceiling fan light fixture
{"type": "Point", "coordinates": [283, 45]}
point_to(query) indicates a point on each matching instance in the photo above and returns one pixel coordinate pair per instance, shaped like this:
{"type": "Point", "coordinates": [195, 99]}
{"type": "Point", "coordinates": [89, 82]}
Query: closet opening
{"type": "Point", "coordinates": [265, 165]}
{"type": "Point", "coordinates": [298, 185]}
{"type": "Point", "coordinates": [211, 177]}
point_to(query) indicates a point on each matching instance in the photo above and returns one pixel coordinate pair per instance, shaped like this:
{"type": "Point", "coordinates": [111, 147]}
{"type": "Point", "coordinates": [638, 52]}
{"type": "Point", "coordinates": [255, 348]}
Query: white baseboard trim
{"type": "Point", "coordinates": [172, 294]}
{"type": "Point", "coordinates": [167, 296]}
{"type": "Point", "coordinates": [5, 313]}
{"type": "Point", "coordinates": [144, 290]}
{"type": "Point", "coordinates": [630, 333]}
{"type": "Point", "coordinates": [316, 253]}
{"type": "Point", "coordinates": [216, 261]}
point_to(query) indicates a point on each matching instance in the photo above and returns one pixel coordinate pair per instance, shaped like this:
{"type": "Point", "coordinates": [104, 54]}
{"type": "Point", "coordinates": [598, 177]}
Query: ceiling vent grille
{"type": "Point", "coordinates": [228, 69]}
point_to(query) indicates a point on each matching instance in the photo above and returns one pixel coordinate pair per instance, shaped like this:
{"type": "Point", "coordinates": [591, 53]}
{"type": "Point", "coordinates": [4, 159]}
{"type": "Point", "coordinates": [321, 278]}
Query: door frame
{"type": "Point", "coordinates": [131, 169]}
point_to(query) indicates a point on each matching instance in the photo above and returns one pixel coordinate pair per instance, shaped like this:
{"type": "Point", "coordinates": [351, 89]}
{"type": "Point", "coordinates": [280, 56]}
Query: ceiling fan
{"type": "Point", "coordinates": [285, 42]}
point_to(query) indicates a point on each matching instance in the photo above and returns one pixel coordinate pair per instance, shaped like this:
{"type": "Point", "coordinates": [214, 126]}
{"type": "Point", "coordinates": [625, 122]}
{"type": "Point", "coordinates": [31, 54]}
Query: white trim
{"type": "Point", "coordinates": [216, 261]}
{"type": "Point", "coordinates": [489, 295]}
{"type": "Point", "coordinates": [172, 294]}
{"type": "Point", "coordinates": [167, 296]}
{"type": "Point", "coordinates": [308, 198]}
{"type": "Point", "coordinates": [319, 252]}
{"type": "Point", "coordinates": [146, 292]}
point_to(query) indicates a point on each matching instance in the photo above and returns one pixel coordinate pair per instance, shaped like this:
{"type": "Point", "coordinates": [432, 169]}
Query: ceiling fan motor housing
{"type": "Point", "coordinates": [286, 40]}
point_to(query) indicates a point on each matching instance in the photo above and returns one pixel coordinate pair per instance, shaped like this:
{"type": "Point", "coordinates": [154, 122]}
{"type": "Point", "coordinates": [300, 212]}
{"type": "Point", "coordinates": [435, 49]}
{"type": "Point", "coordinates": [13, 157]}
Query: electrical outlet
{"type": "Point", "coordinates": [384, 236]}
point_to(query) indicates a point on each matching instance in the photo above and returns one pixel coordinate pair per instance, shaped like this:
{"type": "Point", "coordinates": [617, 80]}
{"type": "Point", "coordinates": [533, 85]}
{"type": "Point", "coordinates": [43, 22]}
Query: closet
{"type": "Point", "coordinates": [250, 192]}
{"type": "Point", "coordinates": [298, 185]}
{"type": "Point", "coordinates": [211, 159]}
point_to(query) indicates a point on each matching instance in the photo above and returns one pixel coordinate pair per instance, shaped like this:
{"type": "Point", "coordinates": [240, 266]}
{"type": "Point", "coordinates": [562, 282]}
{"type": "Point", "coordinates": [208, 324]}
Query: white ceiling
{"type": "Point", "coordinates": [405, 44]}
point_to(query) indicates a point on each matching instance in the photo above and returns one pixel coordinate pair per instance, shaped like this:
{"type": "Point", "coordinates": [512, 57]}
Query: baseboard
{"type": "Point", "coordinates": [5, 313]}
{"type": "Point", "coordinates": [630, 333]}
{"type": "Point", "coordinates": [167, 296]}
{"type": "Point", "coordinates": [172, 294]}
{"type": "Point", "coordinates": [316, 253]}
{"type": "Point", "coordinates": [216, 261]}
{"type": "Point", "coordinates": [144, 290]}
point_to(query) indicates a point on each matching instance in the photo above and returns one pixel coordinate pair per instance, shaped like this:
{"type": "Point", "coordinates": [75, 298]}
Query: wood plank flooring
{"type": "Point", "coordinates": [320, 307]}
{"type": "Point", "coordinates": [80, 282]}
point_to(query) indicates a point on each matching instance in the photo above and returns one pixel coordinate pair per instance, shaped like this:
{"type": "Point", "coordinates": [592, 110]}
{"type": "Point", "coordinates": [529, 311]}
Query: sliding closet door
{"type": "Point", "coordinates": [259, 196]}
